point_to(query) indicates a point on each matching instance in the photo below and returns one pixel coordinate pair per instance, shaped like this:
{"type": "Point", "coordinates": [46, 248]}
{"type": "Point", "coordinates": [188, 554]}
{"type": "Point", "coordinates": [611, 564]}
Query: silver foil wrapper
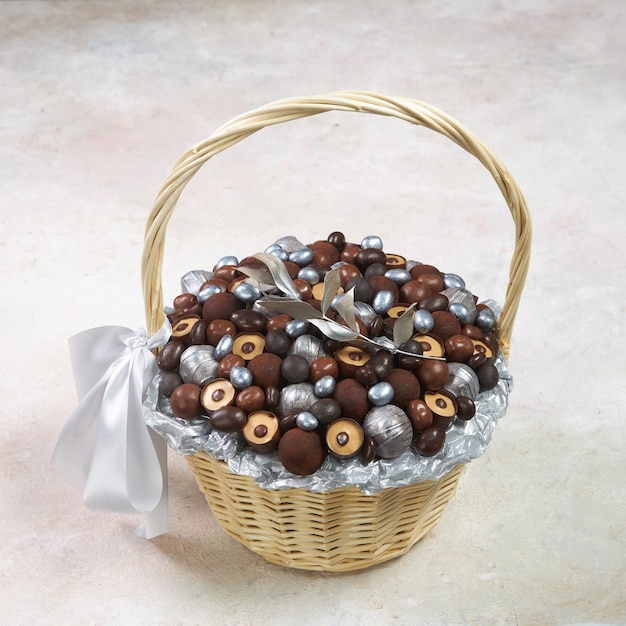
{"type": "Point", "coordinates": [465, 441]}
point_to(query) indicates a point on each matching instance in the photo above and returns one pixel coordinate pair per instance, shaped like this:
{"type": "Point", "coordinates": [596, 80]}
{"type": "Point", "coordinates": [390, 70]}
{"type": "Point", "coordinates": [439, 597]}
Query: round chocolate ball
{"type": "Point", "coordinates": [433, 374]}
{"type": "Point", "coordinates": [459, 348]}
{"type": "Point", "coordinates": [301, 451]}
{"type": "Point", "coordinates": [430, 441]}
{"type": "Point", "coordinates": [487, 376]}
{"type": "Point", "coordinates": [326, 410]}
{"type": "Point", "coordinates": [266, 370]}
{"type": "Point", "coordinates": [466, 409]}
{"type": "Point", "coordinates": [220, 306]}
{"type": "Point", "coordinates": [352, 397]}
{"type": "Point", "coordinates": [278, 342]}
{"type": "Point", "coordinates": [446, 324]}
{"type": "Point", "coordinates": [185, 401]}
{"type": "Point", "coordinates": [295, 368]}
{"type": "Point", "coordinates": [406, 387]}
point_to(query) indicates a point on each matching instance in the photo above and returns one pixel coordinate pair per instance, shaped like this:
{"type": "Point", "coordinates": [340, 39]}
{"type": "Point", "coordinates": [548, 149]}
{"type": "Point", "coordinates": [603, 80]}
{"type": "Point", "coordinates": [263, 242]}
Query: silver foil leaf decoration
{"type": "Point", "coordinates": [279, 273]}
{"type": "Point", "coordinates": [403, 328]}
{"type": "Point", "coordinates": [332, 283]}
{"type": "Point", "coordinates": [345, 308]}
{"type": "Point", "coordinates": [334, 331]}
{"type": "Point", "coordinates": [294, 308]}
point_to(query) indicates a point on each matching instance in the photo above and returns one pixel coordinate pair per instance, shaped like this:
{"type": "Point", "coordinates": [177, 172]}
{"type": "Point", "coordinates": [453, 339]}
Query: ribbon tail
{"type": "Point", "coordinates": [155, 521]}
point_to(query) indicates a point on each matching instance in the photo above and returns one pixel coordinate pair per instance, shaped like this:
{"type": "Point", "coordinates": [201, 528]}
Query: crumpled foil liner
{"type": "Point", "coordinates": [464, 441]}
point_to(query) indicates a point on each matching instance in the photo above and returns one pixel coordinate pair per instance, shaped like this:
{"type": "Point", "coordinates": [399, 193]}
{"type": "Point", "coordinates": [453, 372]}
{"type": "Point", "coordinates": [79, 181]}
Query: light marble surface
{"type": "Point", "coordinates": [99, 99]}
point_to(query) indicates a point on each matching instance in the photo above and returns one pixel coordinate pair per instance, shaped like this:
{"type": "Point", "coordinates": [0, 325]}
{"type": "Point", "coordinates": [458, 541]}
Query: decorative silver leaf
{"type": "Point", "coordinates": [332, 283]}
{"type": "Point", "coordinates": [291, 306]}
{"type": "Point", "coordinates": [279, 273]}
{"type": "Point", "coordinates": [403, 328]}
{"type": "Point", "coordinates": [333, 330]}
{"type": "Point", "coordinates": [261, 274]}
{"type": "Point", "coordinates": [345, 308]}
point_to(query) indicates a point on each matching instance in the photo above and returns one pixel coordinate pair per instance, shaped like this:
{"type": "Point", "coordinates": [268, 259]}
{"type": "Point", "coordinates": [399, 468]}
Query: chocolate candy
{"type": "Point", "coordinates": [266, 370]}
{"type": "Point", "coordinates": [217, 394]}
{"type": "Point", "coordinates": [433, 374]}
{"type": "Point", "coordinates": [352, 397]}
{"type": "Point", "coordinates": [430, 441]}
{"type": "Point", "coordinates": [368, 256]}
{"type": "Point", "coordinates": [337, 239]}
{"type": "Point", "coordinates": [344, 438]}
{"type": "Point", "coordinates": [487, 376]}
{"type": "Point", "coordinates": [168, 383]}
{"type": "Point", "coordinates": [278, 342]}
{"type": "Point", "coordinates": [228, 419]}
{"type": "Point", "coordinates": [169, 357]}
{"type": "Point", "coordinates": [323, 366]}
{"type": "Point", "coordinates": [247, 320]}
{"type": "Point", "coordinates": [301, 451]}
{"type": "Point", "coordinates": [262, 431]}
{"type": "Point", "coordinates": [295, 368]}
{"type": "Point", "coordinates": [220, 306]}
{"type": "Point", "coordinates": [459, 348]}
{"type": "Point", "coordinates": [185, 401]}
{"type": "Point", "coordinates": [216, 329]}
{"type": "Point", "coordinates": [466, 409]}
{"type": "Point", "coordinates": [326, 410]}
{"type": "Point", "coordinates": [251, 399]}
{"type": "Point", "coordinates": [420, 415]}
{"type": "Point", "coordinates": [405, 385]}
{"type": "Point", "coordinates": [248, 345]}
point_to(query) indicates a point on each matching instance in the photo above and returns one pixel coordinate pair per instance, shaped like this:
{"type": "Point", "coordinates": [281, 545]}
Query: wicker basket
{"type": "Point", "coordinates": [343, 529]}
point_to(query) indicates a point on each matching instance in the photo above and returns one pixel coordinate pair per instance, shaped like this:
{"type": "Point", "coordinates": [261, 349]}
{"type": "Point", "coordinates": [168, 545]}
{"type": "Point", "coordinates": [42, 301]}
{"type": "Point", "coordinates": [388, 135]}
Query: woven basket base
{"type": "Point", "coordinates": [341, 530]}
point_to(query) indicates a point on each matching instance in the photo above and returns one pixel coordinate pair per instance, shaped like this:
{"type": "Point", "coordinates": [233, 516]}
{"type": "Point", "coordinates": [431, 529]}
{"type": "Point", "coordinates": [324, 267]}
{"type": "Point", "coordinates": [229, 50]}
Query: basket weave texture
{"type": "Point", "coordinates": [339, 530]}
{"type": "Point", "coordinates": [343, 529]}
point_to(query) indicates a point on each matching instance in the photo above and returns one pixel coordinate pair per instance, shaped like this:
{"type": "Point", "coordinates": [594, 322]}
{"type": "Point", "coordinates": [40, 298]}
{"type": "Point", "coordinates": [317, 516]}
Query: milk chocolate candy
{"type": "Point", "coordinates": [228, 419]}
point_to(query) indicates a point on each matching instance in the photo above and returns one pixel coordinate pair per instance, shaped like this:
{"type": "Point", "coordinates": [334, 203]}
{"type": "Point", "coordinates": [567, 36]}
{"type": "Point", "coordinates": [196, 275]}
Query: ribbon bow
{"type": "Point", "coordinates": [105, 448]}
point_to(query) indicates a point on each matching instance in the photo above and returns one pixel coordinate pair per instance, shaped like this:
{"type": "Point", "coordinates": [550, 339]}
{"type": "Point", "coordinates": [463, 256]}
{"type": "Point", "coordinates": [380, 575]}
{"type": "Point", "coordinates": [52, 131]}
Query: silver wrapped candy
{"type": "Point", "coordinates": [192, 281]}
{"type": "Point", "coordinates": [462, 381]}
{"type": "Point", "coordinates": [423, 321]}
{"type": "Point", "coordinates": [240, 377]}
{"type": "Point", "coordinates": [310, 274]}
{"type": "Point", "coordinates": [485, 320]}
{"type": "Point", "coordinates": [295, 328]}
{"type": "Point", "coordinates": [453, 280]}
{"type": "Point", "coordinates": [227, 260]}
{"type": "Point", "coordinates": [224, 346]}
{"type": "Point", "coordinates": [372, 241]}
{"type": "Point", "coordinates": [382, 301]}
{"type": "Point", "coordinates": [460, 312]}
{"type": "Point", "coordinates": [325, 387]}
{"type": "Point", "coordinates": [206, 292]}
{"type": "Point", "coordinates": [309, 347]}
{"type": "Point", "coordinates": [198, 365]}
{"type": "Point", "coordinates": [247, 293]}
{"type": "Point", "coordinates": [295, 399]}
{"type": "Point", "coordinates": [464, 297]}
{"type": "Point", "coordinates": [307, 421]}
{"type": "Point", "coordinates": [302, 257]}
{"type": "Point", "coordinates": [390, 428]}
{"type": "Point", "coordinates": [380, 394]}
{"type": "Point", "coordinates": [289, 244]}
{"type": "Point", "coordinates": [398, 276]}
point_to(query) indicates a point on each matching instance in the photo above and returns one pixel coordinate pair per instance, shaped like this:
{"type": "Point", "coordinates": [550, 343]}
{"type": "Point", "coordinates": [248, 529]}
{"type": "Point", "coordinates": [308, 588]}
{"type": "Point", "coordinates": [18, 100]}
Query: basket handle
{"type": "Point", "coordinates": [281, 111]}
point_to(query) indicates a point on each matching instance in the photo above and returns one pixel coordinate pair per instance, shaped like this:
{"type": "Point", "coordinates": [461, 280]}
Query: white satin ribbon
{"type": "Point", "coordinates": [105, 448]}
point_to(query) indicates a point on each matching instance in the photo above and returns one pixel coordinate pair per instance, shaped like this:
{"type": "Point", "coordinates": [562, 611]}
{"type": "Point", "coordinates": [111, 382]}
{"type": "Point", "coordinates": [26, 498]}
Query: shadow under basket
{"type": "Point", "coordinates": [343, 529]}
{"type": "Point", "coordinates": [340, 530]}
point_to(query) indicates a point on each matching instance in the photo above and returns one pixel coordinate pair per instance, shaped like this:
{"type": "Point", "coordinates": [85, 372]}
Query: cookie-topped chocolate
{"type": "Point", "coordinates": [338, 347]}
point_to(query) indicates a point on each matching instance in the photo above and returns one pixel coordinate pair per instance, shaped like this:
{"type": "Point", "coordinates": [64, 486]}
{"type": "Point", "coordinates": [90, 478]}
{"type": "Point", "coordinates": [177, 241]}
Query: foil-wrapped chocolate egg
{"type": "Point", "coordinates": [383, 301]}
{"type": "Point", "coordinates": [390, 428]}
{"type": "Point", "coordinates": [198, 365]}
{"type": "Point", "coordinates": [227, 260]}
{"type": "Point", "coordinates": [423, 321]}
{"type": "Point", "coordinates": [399, 276]}
{"type": "Point", "coordinates": [461, 312]}
{"type": "Point", "coordinates": [380, 394]}
{"type": "Point", "coordinates": [247, 293]}
{"type": "Point", "coordinates": [206, 292]}
{"type": "Point", "coordinates": [295, 399]}
{"type": "Point", "coordinates": [325, 387]}
{"type": "Point", "coordinates": [224, 346]}
{"type": "Point", "coordinates": [301, 257]}
{"type": "Point", "coordinates": [281, 254]}
{"type": "Point", "coordinates": [310, 274]}
{"type": "Point", "coordinates": [307, 421]}
{"type": "Point", "coordinates": [240, 377]}
{"type": "Point", "coordinates": [485, 320]}
{"type": "Point", "coordinates": [295, 328]}
{"type": "Point", "coordinates": [372, 241]}
{"type": "Point", "coordinates": [453, 280]}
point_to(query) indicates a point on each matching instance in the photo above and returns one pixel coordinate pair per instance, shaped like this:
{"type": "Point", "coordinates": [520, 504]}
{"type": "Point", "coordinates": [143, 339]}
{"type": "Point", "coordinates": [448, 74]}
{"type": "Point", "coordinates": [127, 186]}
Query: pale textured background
{"type": "Point", "coordinates": [99, 99]}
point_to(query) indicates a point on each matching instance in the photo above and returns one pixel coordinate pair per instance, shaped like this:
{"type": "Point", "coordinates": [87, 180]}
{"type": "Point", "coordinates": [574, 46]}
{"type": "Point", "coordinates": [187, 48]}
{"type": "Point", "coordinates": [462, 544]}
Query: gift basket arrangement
{"type": "Point", "coordinates": [326, 393]}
